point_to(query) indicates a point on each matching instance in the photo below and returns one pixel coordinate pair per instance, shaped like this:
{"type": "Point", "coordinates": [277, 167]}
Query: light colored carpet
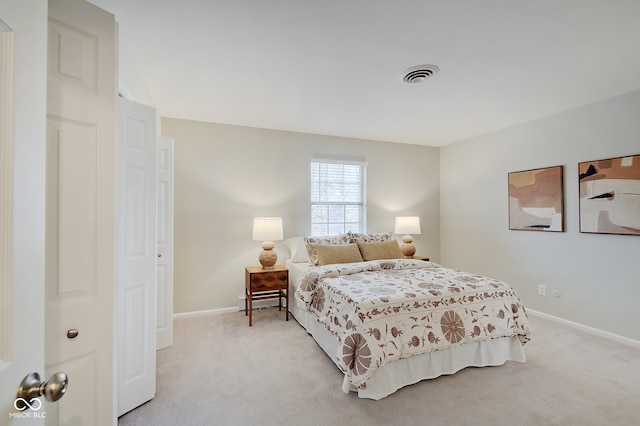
{"type": "Point", "coordinates": [220, 371]}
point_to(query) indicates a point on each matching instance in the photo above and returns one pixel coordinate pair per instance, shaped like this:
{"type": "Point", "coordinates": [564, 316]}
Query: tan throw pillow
{"type": "Point", "coordinates": [342, 253]}
{"type": "Point", "coordinates": [311, 242]}
{"type": "Point", "coordinates": [380, 250]}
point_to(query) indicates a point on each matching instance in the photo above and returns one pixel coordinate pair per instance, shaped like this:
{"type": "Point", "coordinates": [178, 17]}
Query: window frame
{"type": "Point", "coordinates": [334, 227]}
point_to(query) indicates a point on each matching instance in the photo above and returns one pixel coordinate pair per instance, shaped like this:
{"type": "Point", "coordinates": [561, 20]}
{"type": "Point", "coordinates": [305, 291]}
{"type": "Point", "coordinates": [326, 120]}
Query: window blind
{"type": "Point", "coordinates": [338, 197]}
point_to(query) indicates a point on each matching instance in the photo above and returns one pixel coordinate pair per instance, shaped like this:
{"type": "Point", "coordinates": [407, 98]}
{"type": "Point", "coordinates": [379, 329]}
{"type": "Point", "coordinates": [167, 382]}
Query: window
{"type": "Point", "coordinates": [338, 197]}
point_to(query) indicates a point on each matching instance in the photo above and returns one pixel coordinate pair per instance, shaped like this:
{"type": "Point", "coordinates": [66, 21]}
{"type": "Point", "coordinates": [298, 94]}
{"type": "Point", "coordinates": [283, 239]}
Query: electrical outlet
{"type": "Point", "coordinates": [542, 290]}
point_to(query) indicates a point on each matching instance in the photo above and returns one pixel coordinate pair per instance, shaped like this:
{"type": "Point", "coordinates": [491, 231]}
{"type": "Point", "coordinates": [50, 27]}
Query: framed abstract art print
{"type": "Point", "coordinates": [536, 199]}
{"type": "Point", "coordinates": [610, 196]}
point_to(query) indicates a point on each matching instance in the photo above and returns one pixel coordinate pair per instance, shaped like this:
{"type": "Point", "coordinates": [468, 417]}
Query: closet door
{"type": "Point", "coordinates": [136, 255]}
{"type": "Point", "coordinates": [164, 325]}
{"type": "Point", "coordinates": [80, 210]}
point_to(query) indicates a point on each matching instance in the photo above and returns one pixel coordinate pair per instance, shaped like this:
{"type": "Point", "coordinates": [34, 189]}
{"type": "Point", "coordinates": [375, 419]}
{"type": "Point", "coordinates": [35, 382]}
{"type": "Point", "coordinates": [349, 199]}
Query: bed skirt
{"type": "Point", "coordinates": [407, 371]}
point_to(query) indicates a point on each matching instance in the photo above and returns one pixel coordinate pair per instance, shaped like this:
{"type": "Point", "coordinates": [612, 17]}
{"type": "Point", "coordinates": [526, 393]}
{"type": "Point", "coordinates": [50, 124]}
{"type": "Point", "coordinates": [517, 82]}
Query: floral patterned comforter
{"type": "Point", "coordinates": [384, 310]}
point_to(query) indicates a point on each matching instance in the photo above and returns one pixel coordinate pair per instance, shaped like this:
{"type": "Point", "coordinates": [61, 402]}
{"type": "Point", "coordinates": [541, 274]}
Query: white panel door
{"type": "Point", "coordinates": [164, 325]}
{"type": "Point", "coordinates": [136, 255]}
{"type": "Point", "coordinates": [22, 52]}
{"type": "Point", "coordinates": [80, 223]}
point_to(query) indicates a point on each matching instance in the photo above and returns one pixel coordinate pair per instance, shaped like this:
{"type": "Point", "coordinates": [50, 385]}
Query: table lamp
{"type": "Point", "coordinates": [407, 225]}
{"type": "Point", "coordinates": [267, 230]}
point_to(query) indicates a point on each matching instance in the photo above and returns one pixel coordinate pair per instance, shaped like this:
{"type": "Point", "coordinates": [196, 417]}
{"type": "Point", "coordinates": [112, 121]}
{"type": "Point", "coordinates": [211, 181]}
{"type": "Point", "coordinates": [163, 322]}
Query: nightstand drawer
{"type": "Point", "coordinates": [267, 281]}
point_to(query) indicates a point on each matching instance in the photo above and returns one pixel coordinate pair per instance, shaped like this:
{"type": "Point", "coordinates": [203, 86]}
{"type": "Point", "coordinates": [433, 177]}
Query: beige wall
{"type": "Point", "coordinates": [598, 276]}
{"type": "Point", "coordinates": [226, 175]}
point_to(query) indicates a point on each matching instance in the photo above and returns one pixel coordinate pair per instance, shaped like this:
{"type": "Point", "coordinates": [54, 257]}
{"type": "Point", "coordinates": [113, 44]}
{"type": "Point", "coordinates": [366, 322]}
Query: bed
{"type": "Point", "coordinates": [388, 322]}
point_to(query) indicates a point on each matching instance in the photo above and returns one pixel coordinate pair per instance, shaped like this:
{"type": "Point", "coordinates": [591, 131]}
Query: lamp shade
{"type": "Point", "coordinates": [407, 225]}
{"type": "Point", "coordinates": [267, 229]}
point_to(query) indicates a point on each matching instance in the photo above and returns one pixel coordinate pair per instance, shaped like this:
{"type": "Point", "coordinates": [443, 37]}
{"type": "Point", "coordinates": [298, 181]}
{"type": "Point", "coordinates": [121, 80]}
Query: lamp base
{"type": "Point", "coordinates": [268, 256]}
{"type": "Point", "coordinates": [407, 248]}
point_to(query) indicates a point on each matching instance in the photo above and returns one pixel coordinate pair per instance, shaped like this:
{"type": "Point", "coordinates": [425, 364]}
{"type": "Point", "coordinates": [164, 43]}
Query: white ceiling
{"type": "Point", "coordinates": [335, 67]}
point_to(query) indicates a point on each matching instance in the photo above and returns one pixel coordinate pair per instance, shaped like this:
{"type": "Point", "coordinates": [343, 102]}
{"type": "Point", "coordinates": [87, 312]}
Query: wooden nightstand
{"type": "Point", "coordinates": [265, 284]}
{"type": "Point", "coordinates": [421, 257]}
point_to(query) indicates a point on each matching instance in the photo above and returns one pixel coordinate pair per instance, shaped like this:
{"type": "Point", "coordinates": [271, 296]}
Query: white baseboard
{"type": "Point", "coordinates": [267, 303]}
{"type": "Point", "coordinates": [274, 302]}
{"type": "Point", "coordinates": [593, 331]}
{"type": "Point", "coordinates": [207, 312]}
{"type": "Point", "coordinates": [257, 304]}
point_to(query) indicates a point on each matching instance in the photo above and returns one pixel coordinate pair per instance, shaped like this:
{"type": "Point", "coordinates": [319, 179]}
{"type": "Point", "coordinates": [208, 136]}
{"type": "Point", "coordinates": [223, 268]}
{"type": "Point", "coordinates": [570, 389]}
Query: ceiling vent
{"type": "Point", "coordinates": [420, 73]}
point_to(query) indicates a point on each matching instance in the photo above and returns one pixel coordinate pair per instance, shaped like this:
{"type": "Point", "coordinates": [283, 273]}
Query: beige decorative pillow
{"type": "Point", "coordinates": [380, 250]}
{"type": "Point", "coordinates": [367, 238]}
{"type": "Point", "coordinates": [337, 253]}
{"type": "Point", "coordinates": [311, 242]}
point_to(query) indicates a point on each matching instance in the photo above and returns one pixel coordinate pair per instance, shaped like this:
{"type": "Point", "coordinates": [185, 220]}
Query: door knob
{"type": "Point", "coordinates": [31, 388]}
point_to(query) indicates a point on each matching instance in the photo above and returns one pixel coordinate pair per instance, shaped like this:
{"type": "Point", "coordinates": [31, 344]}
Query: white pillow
{"type": "Point", "coordinates": [298, 249]}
